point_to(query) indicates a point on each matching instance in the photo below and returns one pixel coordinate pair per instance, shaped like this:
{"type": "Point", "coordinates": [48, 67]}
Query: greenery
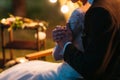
{"type": "Point", "coordinates": [17, 23]}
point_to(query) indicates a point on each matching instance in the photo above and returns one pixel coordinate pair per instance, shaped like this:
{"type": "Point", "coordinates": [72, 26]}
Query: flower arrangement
{"type": "Point", "coordinates": [19, 22]}
{"type": "Point", "coordinates": [13, 22]}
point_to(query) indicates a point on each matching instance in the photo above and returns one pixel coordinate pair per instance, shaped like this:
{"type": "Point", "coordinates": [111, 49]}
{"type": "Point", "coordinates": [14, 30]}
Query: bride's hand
{"type": "Point", "coordinates": [62, 35]}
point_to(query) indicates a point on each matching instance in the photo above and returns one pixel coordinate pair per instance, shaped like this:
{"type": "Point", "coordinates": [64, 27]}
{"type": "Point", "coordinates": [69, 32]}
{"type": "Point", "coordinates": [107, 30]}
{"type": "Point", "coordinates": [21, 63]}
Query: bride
{"type": "Point", "coordinates": [42, 70]}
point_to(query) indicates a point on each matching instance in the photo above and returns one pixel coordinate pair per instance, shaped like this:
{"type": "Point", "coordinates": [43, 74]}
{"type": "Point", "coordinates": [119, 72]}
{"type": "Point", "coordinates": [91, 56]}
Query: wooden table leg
{"type": "Point", "coordinates": [2, 43]}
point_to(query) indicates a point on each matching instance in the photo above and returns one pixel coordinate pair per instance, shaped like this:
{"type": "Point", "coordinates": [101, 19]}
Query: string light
{"type": "Point", "coordinates": [64, 9]}
{"type": "Point", "coordinates": [66, 5]}
{"type": "Point", "coordinates": [53, 1]}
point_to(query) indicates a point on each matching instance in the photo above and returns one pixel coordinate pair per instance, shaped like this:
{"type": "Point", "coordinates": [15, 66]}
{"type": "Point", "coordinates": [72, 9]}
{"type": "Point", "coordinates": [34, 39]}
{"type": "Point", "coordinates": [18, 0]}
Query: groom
{"type": "Point", "coordinates": [102, 22]}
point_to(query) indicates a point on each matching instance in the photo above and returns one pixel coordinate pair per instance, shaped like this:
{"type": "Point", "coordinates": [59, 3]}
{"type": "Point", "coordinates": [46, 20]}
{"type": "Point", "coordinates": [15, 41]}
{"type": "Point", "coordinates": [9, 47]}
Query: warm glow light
{"type": "Point", "coordinates": [53, 1]}
{"type": "Point", "coordinates": [64, 9]}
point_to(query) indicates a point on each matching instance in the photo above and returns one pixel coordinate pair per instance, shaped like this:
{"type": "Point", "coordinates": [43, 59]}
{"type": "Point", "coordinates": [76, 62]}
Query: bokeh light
{"type": "Point", "coordinates": [64, 9]}
{"type": "Point", "coordinates": [53, 1]}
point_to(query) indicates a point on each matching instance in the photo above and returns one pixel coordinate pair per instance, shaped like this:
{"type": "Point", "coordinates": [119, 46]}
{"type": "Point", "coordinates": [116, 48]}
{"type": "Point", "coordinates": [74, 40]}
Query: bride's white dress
{"type": "Point", "coordinates": [39, 70]}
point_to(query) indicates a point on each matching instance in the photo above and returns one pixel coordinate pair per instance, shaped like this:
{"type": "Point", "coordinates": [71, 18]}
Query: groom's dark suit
{"type": "Point", "coordinates": [100, 21]}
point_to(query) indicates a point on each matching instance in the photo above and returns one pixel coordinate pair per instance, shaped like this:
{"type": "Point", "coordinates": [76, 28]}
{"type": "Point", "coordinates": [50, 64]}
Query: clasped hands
{"type": "Point", "coordinates": [62, 35]}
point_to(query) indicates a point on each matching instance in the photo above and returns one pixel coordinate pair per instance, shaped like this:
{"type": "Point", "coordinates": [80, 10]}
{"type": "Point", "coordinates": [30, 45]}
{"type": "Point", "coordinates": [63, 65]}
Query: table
{"type": "Point", "coordinates": [20, 44]}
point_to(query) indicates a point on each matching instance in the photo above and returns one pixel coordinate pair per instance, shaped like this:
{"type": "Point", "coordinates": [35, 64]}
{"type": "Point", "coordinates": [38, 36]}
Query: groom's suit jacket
{"type": "Point", "coordinates": [100, 21]}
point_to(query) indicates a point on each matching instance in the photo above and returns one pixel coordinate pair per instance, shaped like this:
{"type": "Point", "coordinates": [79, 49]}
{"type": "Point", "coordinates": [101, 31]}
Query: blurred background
{"type": "Point", "coordinates": [36, 10]}
{"type": "Point", "coordinates": [54, 12]}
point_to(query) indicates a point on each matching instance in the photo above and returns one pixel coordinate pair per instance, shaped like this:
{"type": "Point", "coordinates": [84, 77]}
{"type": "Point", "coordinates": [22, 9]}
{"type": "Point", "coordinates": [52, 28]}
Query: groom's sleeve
{"type": "Point", "coordinates": [73, 56]}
